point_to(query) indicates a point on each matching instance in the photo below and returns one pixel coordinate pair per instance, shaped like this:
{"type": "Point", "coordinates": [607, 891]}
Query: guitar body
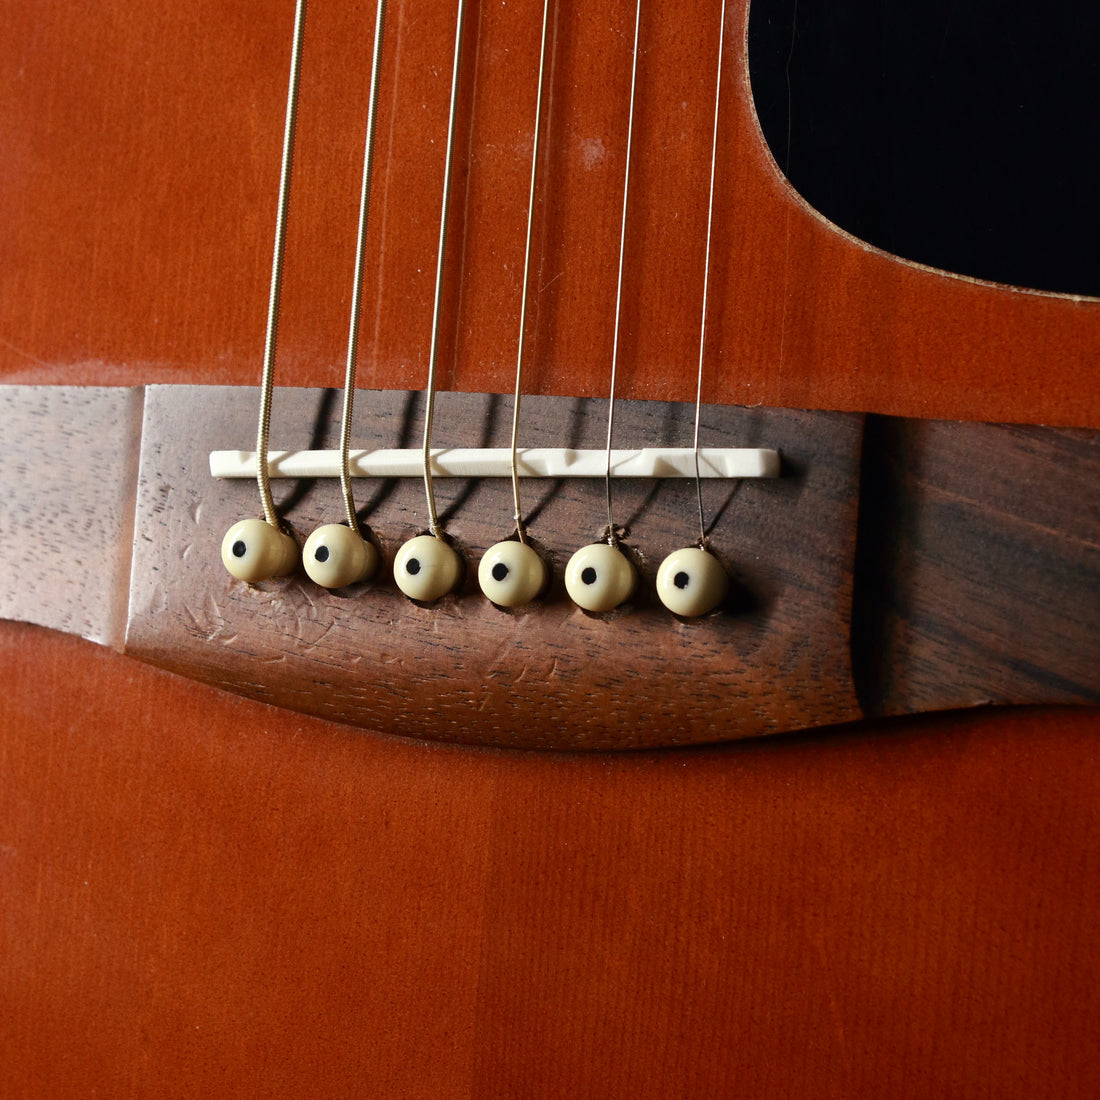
{"type": "Point", "coordinates": [204, 895]}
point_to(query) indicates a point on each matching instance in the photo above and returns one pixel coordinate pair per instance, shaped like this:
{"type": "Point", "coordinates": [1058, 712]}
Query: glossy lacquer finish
{"type": "Point", "coordinates": [205, 895]}
{"type": "Point", "coordinates": [164, 133]}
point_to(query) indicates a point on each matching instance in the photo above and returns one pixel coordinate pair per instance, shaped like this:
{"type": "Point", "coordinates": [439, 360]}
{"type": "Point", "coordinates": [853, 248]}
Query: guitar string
{"type": "Point", "coordinates": [612, 537]}
{"type": "Point", "coordinates": [521, 531]}
{"type": "Point", "coordinates": [357, 282]}
{"type": "Point", "coordinates": [429, 411]}
{"type": "Point", "coordinates": [706, 281]}
{"type": "Point", "coordinates": [263, 476]}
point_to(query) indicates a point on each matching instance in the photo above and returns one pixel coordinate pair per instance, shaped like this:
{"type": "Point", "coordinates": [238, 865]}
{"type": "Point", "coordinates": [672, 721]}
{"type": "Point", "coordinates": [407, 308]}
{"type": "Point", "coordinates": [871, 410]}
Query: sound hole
{"type": "Point", "coordinates": [962, 136]}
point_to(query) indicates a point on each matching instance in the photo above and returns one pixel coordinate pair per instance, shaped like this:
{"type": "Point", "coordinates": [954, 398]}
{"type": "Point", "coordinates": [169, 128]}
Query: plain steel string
{"type": "Point", "coordinates": [611, 536]}
{"type": "Point", "coordinates": [267, 379]}
{"type": "Point", "coordinates": [429, 412]}
{"type": "Point", "coordinates": [706, 280]}
{"type": "Point", "coordinates": [357, 283]}
{"type": "Point", "coordinates": [521, 532]}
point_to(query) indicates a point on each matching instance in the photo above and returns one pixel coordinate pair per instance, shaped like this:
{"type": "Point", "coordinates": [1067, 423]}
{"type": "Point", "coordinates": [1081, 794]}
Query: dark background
{"type": "Point", "coordinates": [959, 133]}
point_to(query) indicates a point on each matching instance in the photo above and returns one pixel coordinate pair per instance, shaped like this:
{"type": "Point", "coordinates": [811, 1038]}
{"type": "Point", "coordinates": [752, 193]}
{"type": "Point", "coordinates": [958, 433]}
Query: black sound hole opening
{"type": "Point", "coordinates": [963, 136]}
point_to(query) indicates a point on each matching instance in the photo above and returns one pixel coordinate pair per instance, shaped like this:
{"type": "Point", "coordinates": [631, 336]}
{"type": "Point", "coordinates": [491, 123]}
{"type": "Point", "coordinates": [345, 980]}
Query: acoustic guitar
{"type": "Point", "coordinates": [893, 893]}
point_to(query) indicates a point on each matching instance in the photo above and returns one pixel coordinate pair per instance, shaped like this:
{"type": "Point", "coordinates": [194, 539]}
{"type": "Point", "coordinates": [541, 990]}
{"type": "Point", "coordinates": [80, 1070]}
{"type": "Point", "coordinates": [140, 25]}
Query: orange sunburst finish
{"type": "Point", "coordinates": [204, 895]}
{"type": "Point", "coordinates": [173, 149]}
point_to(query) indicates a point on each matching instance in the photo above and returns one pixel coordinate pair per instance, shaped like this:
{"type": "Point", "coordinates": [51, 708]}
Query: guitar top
{"type": "Point", "coordinates": [208, 895]}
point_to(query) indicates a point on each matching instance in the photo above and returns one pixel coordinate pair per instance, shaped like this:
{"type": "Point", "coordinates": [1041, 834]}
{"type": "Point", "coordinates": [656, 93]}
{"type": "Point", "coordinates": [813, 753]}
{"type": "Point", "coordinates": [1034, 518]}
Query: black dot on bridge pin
{"type": "Point", "coordinates": [321, 553]}
{"type": "Point", "coordinates": [500, 571]}
{"type": "Point", "coordinates": [239, 549]}
{"type": "Point", "coordinates": [681, 580]}
{"type": "Point", "coordinates": [589, 575]}
{"type": "Point", "coordinates": [413, 566]}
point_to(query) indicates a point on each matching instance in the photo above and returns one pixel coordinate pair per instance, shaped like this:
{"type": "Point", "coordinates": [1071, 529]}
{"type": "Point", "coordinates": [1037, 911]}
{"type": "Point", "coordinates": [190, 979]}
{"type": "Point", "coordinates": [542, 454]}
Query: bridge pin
{"type": "Point", "coordinates": [335, 556]}
{"type": "Point", "coordinates": [691, 582]}
{"type": "Point", "coordinates": [426, 568]}
{"type": "Point", "coordinates": [253, 550]}
{"type": "Point", "coordinates": [599, 577]}
{"type": "Point", "coordinates": [511, 574]}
